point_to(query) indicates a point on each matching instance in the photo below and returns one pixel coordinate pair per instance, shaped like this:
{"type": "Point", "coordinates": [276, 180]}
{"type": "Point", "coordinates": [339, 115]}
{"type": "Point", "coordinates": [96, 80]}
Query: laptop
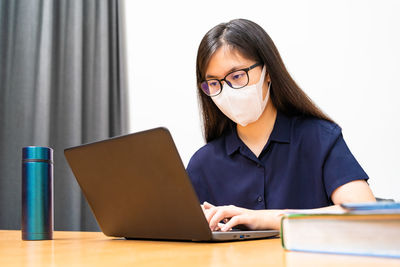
{"type": "Point", "coordinates": [138, 188]}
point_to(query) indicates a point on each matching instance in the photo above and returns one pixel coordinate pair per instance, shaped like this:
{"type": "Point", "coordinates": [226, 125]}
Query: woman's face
{"type": "Point", "coordinates": [226, 60]}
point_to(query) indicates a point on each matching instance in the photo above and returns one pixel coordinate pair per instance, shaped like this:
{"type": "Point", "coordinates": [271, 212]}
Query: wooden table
{"type": "Point", "coordinates": [95, 249]}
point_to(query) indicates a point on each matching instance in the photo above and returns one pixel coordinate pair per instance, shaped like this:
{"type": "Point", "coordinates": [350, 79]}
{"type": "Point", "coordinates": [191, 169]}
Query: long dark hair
{"type": "Point", "coordinates": [249, 39]}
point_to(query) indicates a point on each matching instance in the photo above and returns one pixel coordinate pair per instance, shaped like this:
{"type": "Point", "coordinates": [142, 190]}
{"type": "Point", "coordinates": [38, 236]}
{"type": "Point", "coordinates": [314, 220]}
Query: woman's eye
{"type": "Point", "coordinates": [237, 76]}
{"type": "Point", "coordinates": [212, 84]}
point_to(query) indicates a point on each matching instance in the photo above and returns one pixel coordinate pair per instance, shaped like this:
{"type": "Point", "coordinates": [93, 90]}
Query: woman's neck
{"type": "Point", "coordinates": [255, 135]}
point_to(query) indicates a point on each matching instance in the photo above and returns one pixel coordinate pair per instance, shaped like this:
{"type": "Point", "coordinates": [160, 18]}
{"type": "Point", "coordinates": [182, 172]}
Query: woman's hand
{"type": "Point", "coordinates": [233, 216]}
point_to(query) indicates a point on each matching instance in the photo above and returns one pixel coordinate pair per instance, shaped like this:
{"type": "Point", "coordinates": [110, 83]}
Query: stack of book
{"type": "Point", "coordinates": [370, 229]}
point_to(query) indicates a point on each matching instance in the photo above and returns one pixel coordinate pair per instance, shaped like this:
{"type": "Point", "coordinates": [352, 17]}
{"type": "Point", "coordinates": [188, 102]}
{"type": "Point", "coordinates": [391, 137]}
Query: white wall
{"type": "Point", "coordinates": [344, 54]}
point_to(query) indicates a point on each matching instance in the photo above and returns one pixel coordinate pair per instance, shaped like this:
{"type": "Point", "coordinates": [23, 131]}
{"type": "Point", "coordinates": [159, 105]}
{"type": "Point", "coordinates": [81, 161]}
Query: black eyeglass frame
{"type": "Point", "coordinates": [246, 70]}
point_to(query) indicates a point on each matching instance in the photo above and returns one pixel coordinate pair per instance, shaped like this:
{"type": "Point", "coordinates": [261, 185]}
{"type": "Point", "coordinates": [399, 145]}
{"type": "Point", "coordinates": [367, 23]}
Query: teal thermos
{"type": "Point", "coordinates": [37, 193]}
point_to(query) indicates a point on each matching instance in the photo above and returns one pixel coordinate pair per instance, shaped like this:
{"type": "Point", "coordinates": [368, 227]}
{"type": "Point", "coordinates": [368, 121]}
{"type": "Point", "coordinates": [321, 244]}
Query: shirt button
{"type": "Point", "coordinates": [258, 165]}
{"type": "Point", "coordinates": [259, 199]}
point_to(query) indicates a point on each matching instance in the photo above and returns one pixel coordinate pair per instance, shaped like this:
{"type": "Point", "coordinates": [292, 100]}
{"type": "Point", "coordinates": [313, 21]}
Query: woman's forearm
{"type": "Point", "coordinates": [271, 219]}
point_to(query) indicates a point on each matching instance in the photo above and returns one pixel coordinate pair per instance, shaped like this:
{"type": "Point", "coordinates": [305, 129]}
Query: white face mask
{"type": "Point", "coordinates": [244, 105]}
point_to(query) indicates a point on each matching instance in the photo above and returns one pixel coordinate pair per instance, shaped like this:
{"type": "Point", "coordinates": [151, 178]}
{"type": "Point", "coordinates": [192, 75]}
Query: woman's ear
{"type": "Point", "coordinates": [267, 82]}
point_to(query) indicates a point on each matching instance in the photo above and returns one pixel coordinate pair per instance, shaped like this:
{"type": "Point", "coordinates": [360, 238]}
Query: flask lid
{"type": "Point", "coordinates": [37, 153]}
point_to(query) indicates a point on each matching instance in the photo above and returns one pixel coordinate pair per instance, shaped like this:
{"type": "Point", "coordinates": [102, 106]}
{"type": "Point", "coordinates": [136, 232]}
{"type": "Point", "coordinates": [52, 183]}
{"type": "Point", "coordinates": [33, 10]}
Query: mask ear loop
{"type": "Point", "coordinates": [270, 81]}
{"type": "Point", "coordinates": [269, 87]}
{"type": "Point", "coordinates": [267, 93]}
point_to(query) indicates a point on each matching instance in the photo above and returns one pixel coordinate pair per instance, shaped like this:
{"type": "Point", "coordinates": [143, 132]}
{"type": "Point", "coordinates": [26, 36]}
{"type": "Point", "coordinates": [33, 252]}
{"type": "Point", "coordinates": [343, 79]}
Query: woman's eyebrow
{"type": "Point", "coordinates": [208, 76]}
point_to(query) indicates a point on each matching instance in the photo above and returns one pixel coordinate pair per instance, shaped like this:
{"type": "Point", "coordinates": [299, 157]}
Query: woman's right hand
{"type": "Point", "coordinates": [233, 216]}
{"type": "Point", "coordinates": [208, 210]}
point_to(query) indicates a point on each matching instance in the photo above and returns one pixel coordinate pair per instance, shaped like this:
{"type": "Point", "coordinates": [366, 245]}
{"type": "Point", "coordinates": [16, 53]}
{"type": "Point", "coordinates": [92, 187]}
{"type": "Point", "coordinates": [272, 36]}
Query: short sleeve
{"type": "Point", "coordinates": [340, 166]}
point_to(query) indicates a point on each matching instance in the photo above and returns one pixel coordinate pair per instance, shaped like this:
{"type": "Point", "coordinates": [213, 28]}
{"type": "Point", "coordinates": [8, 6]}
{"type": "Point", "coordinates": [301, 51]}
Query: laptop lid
{"type": "Point", "coordinates": [137, 187]}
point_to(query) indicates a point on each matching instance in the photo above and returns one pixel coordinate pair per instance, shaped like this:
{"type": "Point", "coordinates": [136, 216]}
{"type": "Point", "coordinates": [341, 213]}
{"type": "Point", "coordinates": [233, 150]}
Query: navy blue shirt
{"type": "Point", "coordinates": [303, 162]}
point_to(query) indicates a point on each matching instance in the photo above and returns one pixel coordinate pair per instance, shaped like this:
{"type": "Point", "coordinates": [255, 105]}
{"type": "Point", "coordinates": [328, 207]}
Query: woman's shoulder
{"type": "Point", "coordinates": [315, 130]}
{"type": "Point", "coordinates": [208, 151]}
{"type": "Point", "coordinates": [315, 125]}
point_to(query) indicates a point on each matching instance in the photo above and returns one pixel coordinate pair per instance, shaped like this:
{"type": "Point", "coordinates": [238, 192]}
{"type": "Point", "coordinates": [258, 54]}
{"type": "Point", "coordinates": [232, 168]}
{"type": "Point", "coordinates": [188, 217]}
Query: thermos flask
{"type": "Point", "coordinates": [37, 193]}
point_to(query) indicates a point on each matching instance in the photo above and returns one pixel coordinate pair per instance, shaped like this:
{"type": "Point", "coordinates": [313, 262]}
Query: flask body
{"type": "Point", "coordinates": [37, 193]}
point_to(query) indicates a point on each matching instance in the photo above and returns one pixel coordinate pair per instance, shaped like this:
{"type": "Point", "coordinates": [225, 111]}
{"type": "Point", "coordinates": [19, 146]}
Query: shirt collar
{"type": "Point", "coordinates": [282, 128]}
{"type": "Point", "coordinates": [280, 133]}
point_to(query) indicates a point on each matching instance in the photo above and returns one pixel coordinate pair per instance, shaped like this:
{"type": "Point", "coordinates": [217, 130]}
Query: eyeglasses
{"type": "Point", "coordinates": [236, 79]}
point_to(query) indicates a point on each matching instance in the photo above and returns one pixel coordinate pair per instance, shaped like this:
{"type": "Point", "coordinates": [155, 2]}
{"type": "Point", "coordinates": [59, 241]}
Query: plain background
{"type": "Point", "coordinates": [344, 54]}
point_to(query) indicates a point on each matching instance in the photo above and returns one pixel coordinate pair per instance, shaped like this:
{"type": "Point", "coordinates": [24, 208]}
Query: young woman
{"type": "Point", "coordinates": [269, 147]}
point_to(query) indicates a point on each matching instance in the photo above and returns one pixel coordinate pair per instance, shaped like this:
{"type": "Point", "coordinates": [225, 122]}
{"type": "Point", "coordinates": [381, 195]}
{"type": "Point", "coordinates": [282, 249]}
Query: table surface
{"type": "Point", "coordinates": [96, 249]}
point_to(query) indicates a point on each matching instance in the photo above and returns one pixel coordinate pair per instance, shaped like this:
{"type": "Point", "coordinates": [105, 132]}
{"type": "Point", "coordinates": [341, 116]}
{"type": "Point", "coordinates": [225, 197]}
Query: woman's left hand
{"type": "Point", "coordinates": [233, 216]}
